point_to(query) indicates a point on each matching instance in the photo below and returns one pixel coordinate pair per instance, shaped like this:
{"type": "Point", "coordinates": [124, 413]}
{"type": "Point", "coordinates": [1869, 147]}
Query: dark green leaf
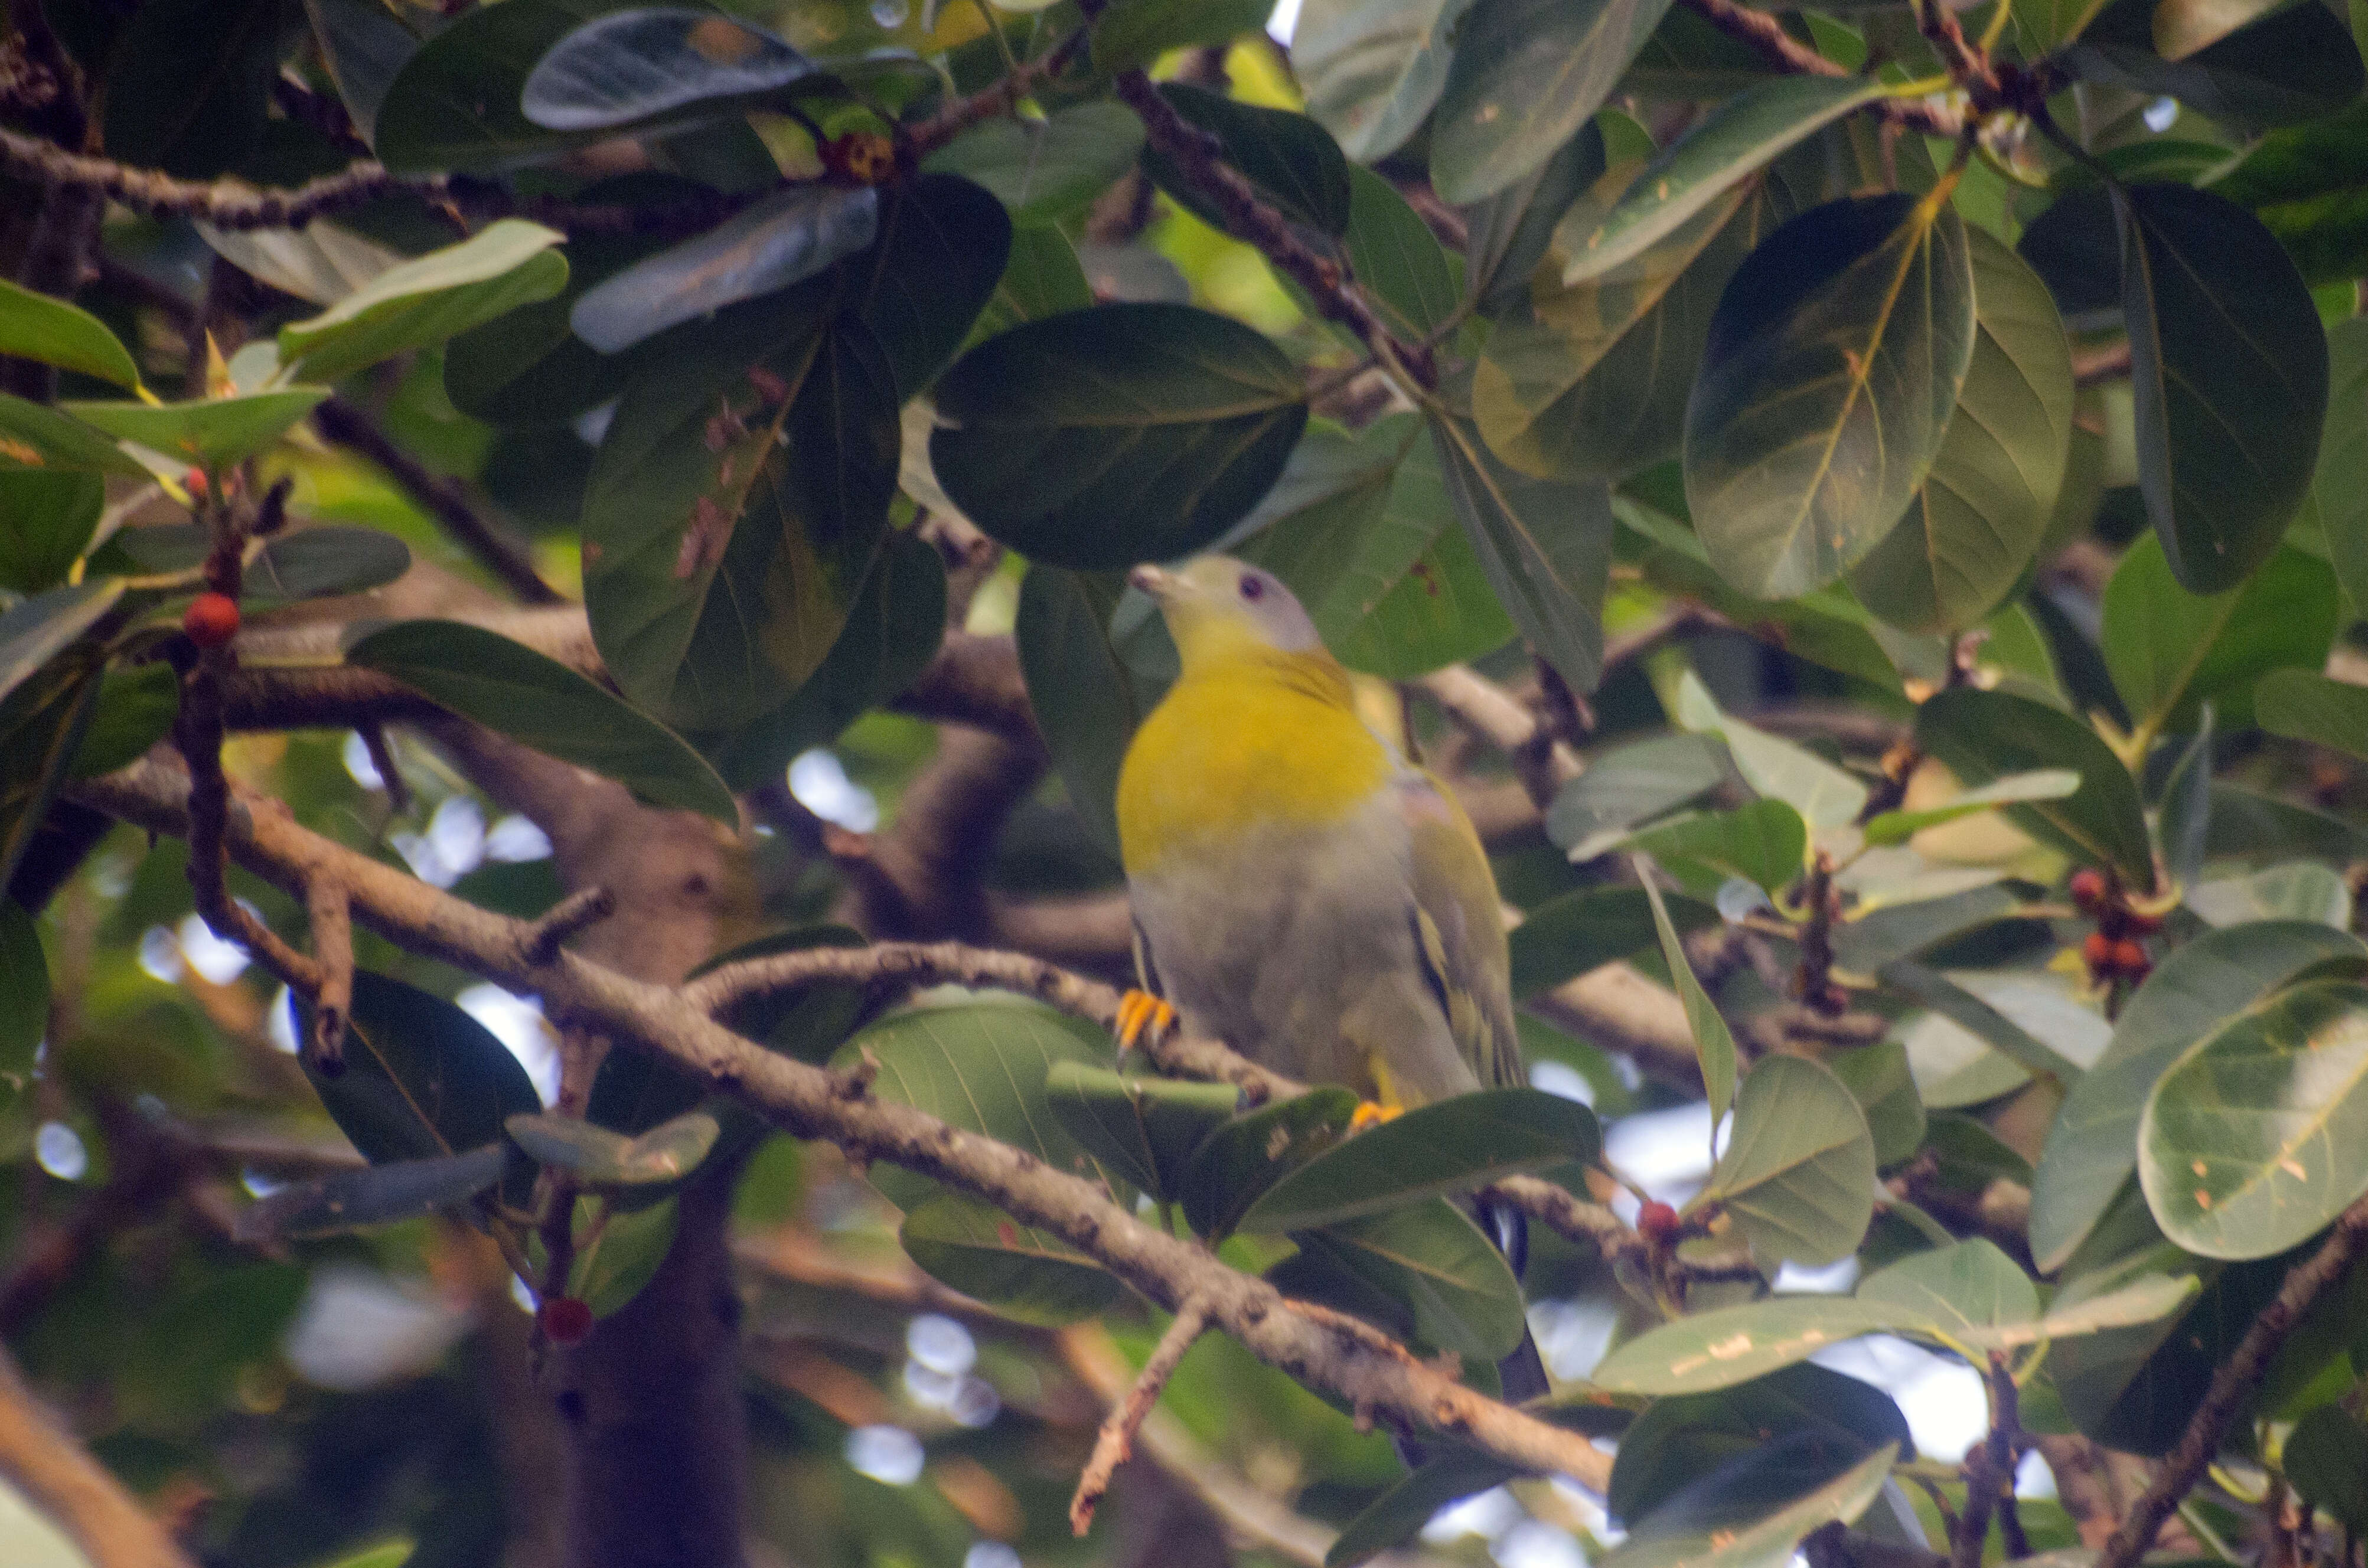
{"type": "Point", "coordinates": [2258, 1136]}
{"type": "Point", "coordinates": [598, 1157]}
{"type": "Point", "coordinates": [1714, 1042]}
{"type": "Point", "coordinates": [516, 691]}
{"type": "Point", "coordinates": [1878, 1078]}
{"type": "Point", "coordinates": [778, 241]}
{"type": "Point", "coordinates": [2170, 649]}
{"type": "Point", "coordinates": [24, 998]}
{"type": "Point", "coordinates": [2305, 705]}
{"type": "Point", "coordinates": [136, 707]}
{"type": "Point", "coordinates": [1144, 1128]}
{"type": "Point", "coordinates": [190, 85]}
{"type": "Point", "coordinates": [1372, 71]}
{"type": "Point", "coordinates": [1632, 784]}
{"type": "Point", "coordinates": [1510, 231]}
{"type": "Point", "coordinates": [1982, 1016]}
{"type": "Point", "coordinates": [51, 332]}
{"type": "Point", "coordinates": [363, 47]}
{"type": "Point", "coordinates": [1398, 260]}
{"type": "Point", "coordinates": [1798, 1174]}
{"type": "Point", "coordinates": [1978, 519]}
{"type": "Point", "coordinates": [1395, 1517]}
{"type": "Point", "coordinates": [35, 630]}
{"type": "Point", "coordinates": [1085, 699]}
{"type": "Point", "coordinates": [302, 563]}
{"type": "Point", "coordinates": [2042, 784]}
{"type": "Point", "coordinates": [529, 366]}
{"type": "Point", "coordinates": [943, 244]}
{"type": "Point", "coordinates": [1565, 936]}
{"type": "Point", "coordinates": [1450, 1146]}
{"type": "Point", "coordinates": [46, 522]}
{"type": "Point", "coordinates": [1021, 1273]}
{"type": "Point", "coordinates": [1431, 1259]}
{"type": "Point", "coordinates": [1121, 434]}
{"type": "Point", "coordinates": [2092, 1148]}
{"type": "Point", "coordinates": [1129, 34]}
{"type": "Point", "coordinates": [1293, 162]}
{"type": "Point", "coordinates": [1526, 75]}
{"type": "Point", "coordinates": [209, 432]}
{"type": "Point", "coordinates": [2295, 65]}
{"type": "Point", "coordinates": [454, 104]}
{"type": "Point", "coordinates": [1546, 545]}
{"type": "Point", "coordinates": [33, 436]}
{"type": "Point", "coordinates": [1765, 843]}
{"type": "Point", "coordinates": [1043, 170]}
{"type": "Point", "coordinates": [1684, 1437]}
{"type": "Point", "coordinates": [617, 1252]}
{"type": "Point", "coordinates": [1753, 1512]}
{"type": "Point", "coordinates": [2340, 485]}
{"type": "Point", "coordinates": [1867, 942]}
{"type": "Point", "coordinates": [1983, 735]}
{"type": "Point", "coordinates": [1737, 140]}
{"type": "Point", "coordinates": [1042, 276]}
{"type": "Point", "coordinates": [351, 1200]}
{"type": "Point", "coordinates": [42, 724]}
{"type": "Point", "coordinates": [632, 65]}
{"type": "Point", "coordinates": [1243, 1159]}
{"type": "Point", "coordinates": [2327, 1462]}
{"type": "Point", "coordinates": [1834, 363]}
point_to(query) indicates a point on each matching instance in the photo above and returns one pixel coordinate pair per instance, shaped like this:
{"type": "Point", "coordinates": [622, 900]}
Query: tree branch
{"type": "Point", "coordinates": [812, 1103]}
{"type": "Point", "coordinates": [1115, 1442]}
{"type": "Point", "coordinates": [40, 1457]}
{"type": "Point", "coordinates": [1764, 32]}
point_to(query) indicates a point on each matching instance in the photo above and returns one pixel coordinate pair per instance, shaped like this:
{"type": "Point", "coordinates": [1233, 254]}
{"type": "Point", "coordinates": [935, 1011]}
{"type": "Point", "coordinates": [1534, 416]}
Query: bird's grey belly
{"type": "Point", "coordinates": [1297, 947]}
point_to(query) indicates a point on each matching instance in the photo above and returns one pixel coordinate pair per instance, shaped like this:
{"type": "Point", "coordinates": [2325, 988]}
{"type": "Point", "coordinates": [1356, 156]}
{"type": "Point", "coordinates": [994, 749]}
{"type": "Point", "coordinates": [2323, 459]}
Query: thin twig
{"type": "Point", "coordinates": [988, 102]}
{"type": "Point", "coordinates": [332, 951]}
{"type": "Point", "coordinates": [1114, 1444]}
{"type": "Point", "coordinates": [2232, 1384]}
{"type": "Point", "coordinates": [40, 1455]}
{"type": "Point", "coordinates": [344, 425]}
{"type": "Point", "coordinates": [1763, 31]}
{"type": "Point", "coordinates": [581, 909]}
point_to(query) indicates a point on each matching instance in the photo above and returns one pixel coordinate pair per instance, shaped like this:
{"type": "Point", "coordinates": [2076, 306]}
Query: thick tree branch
{"type": "Point", "coordinates": [42, 1460]}
{"type": "Point", "coordinates": [812, 1103]}
{"type": "Point", "coordinates": [1543, 760]}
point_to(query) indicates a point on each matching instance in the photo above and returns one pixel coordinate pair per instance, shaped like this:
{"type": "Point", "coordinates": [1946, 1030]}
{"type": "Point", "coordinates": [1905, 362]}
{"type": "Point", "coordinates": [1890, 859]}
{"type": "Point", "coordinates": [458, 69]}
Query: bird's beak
{"type": "Point", "coordinates": [1152, 579]}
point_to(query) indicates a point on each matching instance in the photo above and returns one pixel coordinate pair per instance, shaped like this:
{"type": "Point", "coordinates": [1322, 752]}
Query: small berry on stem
{"type": "Point", "coordinates": [565, 1319]}
{"type": "Point", "coordinates": [212, 620]}
{"type": "Point", "coordinates": [195, 483]}
{"type": "Point", "coordinates": [1657, 1223]}
{"type": "Point", "coordinates": [2087, 889]}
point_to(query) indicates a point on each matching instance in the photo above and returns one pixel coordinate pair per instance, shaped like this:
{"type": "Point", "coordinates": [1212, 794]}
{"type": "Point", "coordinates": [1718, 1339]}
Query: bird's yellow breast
{"type": "Point", "coordinates": [1257, 741]}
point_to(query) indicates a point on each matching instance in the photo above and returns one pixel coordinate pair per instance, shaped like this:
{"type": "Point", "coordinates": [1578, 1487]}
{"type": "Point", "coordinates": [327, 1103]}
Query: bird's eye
{"type": "Point", "coordinates": [1252, 587]}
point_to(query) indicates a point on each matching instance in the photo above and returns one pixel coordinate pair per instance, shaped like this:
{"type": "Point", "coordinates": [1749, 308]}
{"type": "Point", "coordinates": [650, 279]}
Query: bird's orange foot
{"type": "Point", "coordinates": [1142, 1015]}
{"type": "Point", "coordinates": [1369, 1114]}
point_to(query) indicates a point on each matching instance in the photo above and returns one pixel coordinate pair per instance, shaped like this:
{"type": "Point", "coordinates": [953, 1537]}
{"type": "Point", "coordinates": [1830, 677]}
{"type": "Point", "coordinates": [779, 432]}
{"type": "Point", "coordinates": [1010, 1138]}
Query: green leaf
{"type": "Point", "coordinates": [1591, 380]}
{"type": "Point", "coordinates": [1526, 75]}
{"type": "Point", "coordinates": [1243, 1159]}
{"type": "Point", "coordinates": [1291, 159]}
{"type": "Point", "coordinates": [24, 999]}
{"type": "Point", "coordinates": [2040, 784]}
{"type": "Point", "coordinates": [421, 1078]}
{"type": "Point", "coordinates": [1042, 276]}
{"type": "Point", "coordinates": [727, 535]}
{"type": "Point", "coordinates": [1545, 545]}
{"type": "Point", "coordinates": [387, 1554]}
{"type": "Point", "coordinates": [2299, 889]}
{"type": "Point", "coordinates": [1565, 936]}
{"type": "Point", "coordinates": [1737, 140]}
{"type": "Point", "coordinates": [1510, 232]}
{"type": "Point", "coordinates": [943, 247]}
{"type": "Point", "coordinates": [46, 522]}
{"type": "Point", "coordinates": [1397, 1515]}
{"type": "Point", "coordinates": [1822, 793]}
{"type": "Point", "coordinates": [2327, 1462]}
{"type": "Point", "coordinates": [35, 630]}
{"type": "Point", "coordinates": [1968, 1291]}
{"type": "Point", "coordinates": [2258, 1136]}
{"type": "Point", "coordinates": [1085, 699]}
{"type": "Point", "coordinates": [1632, 784]}
{"type": "Point", "coordinates": [1714, 1042]}
{"type": "Point", "coordinates": [363, 46]}
{"type": "Point", "coordinates": [2339, 483]}
{"type": "Point", "coordinates": [980, 1067]}
{"type": "Point", "coordinates": [1121, 434]}
{"type": "Point", "coordinates": [136, 707]}
{"type": "Point", "coordinates": [1985, 1017]}
{"type": "Point", "coordinates": [380, 1195]}
{"type": "Point", "coordinates": [1765, 843]}
{"type": "Point", "coordinates": [1879, 1078]}
{"type": "Point", "coordinates": [635, 64]}
{"type": "Point", "coordinates": [1718, 1523]}
{"type": "Point", "coordinates": [51, 332]}
{"type": "Point", "coordinates": [1357, 528]}
{"type": "Point", "coordinates": [2228, 364]}
{"type": "Point", "coordinates": [1430, 1258]}
{"type": "Point", "coordinates": [528, 367]}
{"type": "Point", "coordinates": [617, 1252]}
{"type": "Point", "coordinates": [1980, 514]}
{"type": "Point", "coordinates": [1045, 169]}
{"type": "Point", "coordinates": [209, 433]}
{"type": "Point", "coordinates": [33, 436]}
{"type": "Point", "coordinates": [1448, 1147]}
{"type": "Point", "coordinates": [454, 104]}
{"type": "Point", "coordinates": [1986, 735]}
{"type": "Point", "coordinates": [1798, 1174]}
{"type": "Point", "coordinates": [1129, 34]}
{"type": "Point", "coordinates": [2299, 704]}
{"type": "Point", "coordinates": [1398, 260]}
{"type": "Point", "coordinates": [190, 85]}
{"type": "Point", "coordinates": [767, 246]}
{"type": "Point", "coordinates": [1865, 942]}
{"type": "Point", "coordinates": [599, 1158]}
{"type": "Point", "coordinates": [1144, 1128]}
{"type": "Point", "coordinates": [423, 301]}
{"type": "Point", "coordinates": [2184, 826]}
{"type": "Point", "coordinates": [2291, 67]}
{"type": "Point", "coordinates": [41, 725]}
{"type": "Point", "coordinates": [1022, 1273]}
{"type": "Point", "coordinates": [301, 563]}
{"type": "Point", "coordinates": [2170, 649]}
{"type": "Point", "coordinates": [1371, 71]}
{"type": "Point", "coordinates": [535, 699]}
{"type": "Point", "coordinates": [1681, 1437]}
{"type": "Point", "coordinates": [1834, 363]}
{"type": "Point", "coordinates": [2092, 1150]}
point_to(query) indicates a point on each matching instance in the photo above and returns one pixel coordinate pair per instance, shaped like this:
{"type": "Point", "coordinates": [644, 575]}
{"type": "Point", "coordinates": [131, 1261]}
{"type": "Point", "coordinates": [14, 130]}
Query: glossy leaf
{"type": "Point", "coordinates": [1511, 231]}
{"type": "Point", "coordinates": [617, 1252]}
{"type": "Point", "coordinates": [1774, 768]}
{"type": "Point", "coordinates": [2092, 1150]}
{"type": "Point", "coordinates": [1086, 701]}
{"type": "Point", "coordinates": [1545, 545]}
{"type": "Point", "coordinates": [598, 1157]}
{"type": "Point", "coordinates": [301, 563]}
{"type": "Point", "coordinates": [1834, 363]}
{"type": "Point", "coordinates": [2302, 705]}
{"type": "Point", "coordinates": [209, 433]}
{"type": "Point", "coordinates": [350, 1201]}
{"type": "Point", "coordinates": [2258, 1137]}
{"type": "Point", "coordinates": [1290, 158]}
{"type": "Point", "coordinates": [36, 629]}
{"type": "Point", "coordinates": [1879, 1078]}
{"type": "Point", "coordinates": [136, 707]}
{"type": "Point", "coordinates": [1765, 843]}
{"type": "Point", "coordinates": [46, 522]}
{"type": "Point", "coordinates": [728, 534]}
{"type": "Point", "coordinates": [1121, 434]}
{"type": "Point", "coordinates": [454, 104]}
{"type": "Point", "coordinates": [1798, 1174]}
{"type": "Point", "coordinates": [1395, 1517]}
{"type": "Point", "coordinates": [24, 999]}
{"type": "Point", "coordinates": [1043, 170]}
{"type": "Point", "coordinates": [1725, 1520]}
{"type": "Point", "coordinates": [942, 252]}
{"type": "Point", "coordinates": [2327, 1462]}
{"type": "Point", "coordinates": [2230, 367]}
{"type": "Point", "coordinates": [635, 64]}
{"type": "Point", "coordinates": [1372, 72]}
{"type": "Point", "coordinates": [2040, 784]}
{"type": "Point", "coordinates": [34, 436]}
{"type": "Point", "coordinates": [2339, 484]}
{"type": "Point", "coordinates": [2017, 1031]}
{"type": "Point", "coordinates": [49, 331]}
{"type": "Point", "coordinates": [1984, 735]}
{"type": "Point", "coordinates": [1969, 1291]}
{"type": "Point", "coordinates": [2299, 889]}
{"type": "Point", "coordinates": [2295, 65]}
{"type": "Point", "coordinates": [531, 698]}
{"type": "Point", "coordinates": [2170, 649]}
{"type": "Point", "coordinates": [1397, 260]}
{"type": "Point", "coordinates": [781, 239]}
{"type": "Point", "coordinates": [1979, 516]}
{"type": "Point", "coordinates": [1865, 942]}
{"type": "Point", "coordinates": [1131, 33]}
{"type": "Point", "coordinates": [1681, 1437]}
{"type": "Point", "coordinates": [1022, 1273]}
{"type": "Point", "coordinates": [1713, 1041]}
{"type": "Point", "coordinates": [1243, 1159]}
{"type": "Point", "coordinates": [1565, 936]}
{"type": "Point", "coordinates": [1741, 136]}
{"type": "Point", "coordinates": [1144, 1128]}
{"type": "Point", "coordinates": [1526, 75]}
{"type": "Point", "coordinates": [1632, 784]}
{"type": "Point", "coordinates": [1448, 1147]}
{"type": "Point", "coordinates": [423, 301]}
{"type": "Point", "coordinates": [1433, 1260]}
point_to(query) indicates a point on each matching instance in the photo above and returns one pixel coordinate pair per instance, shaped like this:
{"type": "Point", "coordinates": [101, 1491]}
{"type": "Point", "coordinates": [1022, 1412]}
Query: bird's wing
{"type": "Point", "coordinates": [1458, 930]}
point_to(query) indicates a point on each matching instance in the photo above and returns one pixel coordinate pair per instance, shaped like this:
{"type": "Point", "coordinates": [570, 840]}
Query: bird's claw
{"type": "Point", "coordinates": [1369, 1114]}
{"type": "Point", "coordinates": [1141, 1016]}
